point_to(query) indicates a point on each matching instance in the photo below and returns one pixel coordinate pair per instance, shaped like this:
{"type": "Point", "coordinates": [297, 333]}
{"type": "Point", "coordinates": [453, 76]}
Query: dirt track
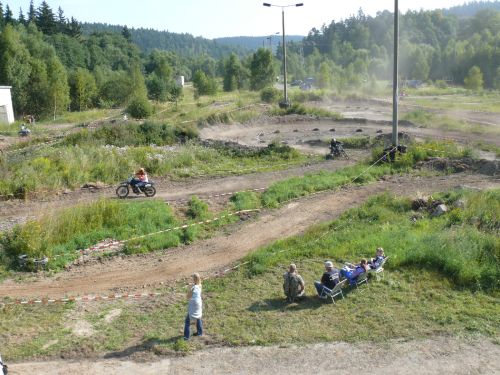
{"type": "Point", "coordinates": [13, 212]}
{"type": "Point", "coordinates": [133, 273]}
{"type": "Point", "coordinates": [431, 356]}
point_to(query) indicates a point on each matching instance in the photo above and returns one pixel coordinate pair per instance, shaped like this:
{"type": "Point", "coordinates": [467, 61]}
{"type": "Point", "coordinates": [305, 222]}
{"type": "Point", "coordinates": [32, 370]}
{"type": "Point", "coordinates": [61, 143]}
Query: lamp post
{"type": "Point", "coordinates": [285, 103]}
{"type": "Point", "coordinates": [395, 83]}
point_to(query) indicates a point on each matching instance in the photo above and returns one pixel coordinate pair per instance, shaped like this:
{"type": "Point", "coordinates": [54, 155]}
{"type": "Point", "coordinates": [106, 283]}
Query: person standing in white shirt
{"type": "Point", "coordinates": [195, 308]}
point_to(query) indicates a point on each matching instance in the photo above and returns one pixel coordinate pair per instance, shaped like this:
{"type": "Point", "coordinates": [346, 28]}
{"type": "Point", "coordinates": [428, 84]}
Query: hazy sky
{"type": "Point", "coordinates": [217, 18]}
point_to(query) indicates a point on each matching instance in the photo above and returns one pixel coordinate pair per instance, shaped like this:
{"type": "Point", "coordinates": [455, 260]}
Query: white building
{"type": "Point", "coordinates": [180, 81]}
{"type": "Point", "coordinates": [6, 110]}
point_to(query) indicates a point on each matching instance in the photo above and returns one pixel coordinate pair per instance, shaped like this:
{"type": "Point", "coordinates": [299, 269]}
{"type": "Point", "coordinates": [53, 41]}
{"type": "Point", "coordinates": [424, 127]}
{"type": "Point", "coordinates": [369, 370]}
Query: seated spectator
{"type": "Point", "coordinates": [293, 284]}
{"type": "Point", "coordinates": [375, 263]}
{"type": "Point", "coordinates": [329, 279]}
{"type": "Point", "coordinates": [351, 271]}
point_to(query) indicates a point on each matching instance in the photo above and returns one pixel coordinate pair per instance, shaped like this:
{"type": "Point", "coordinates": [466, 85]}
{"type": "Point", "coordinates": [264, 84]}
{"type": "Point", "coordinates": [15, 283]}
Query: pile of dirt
{"type": "Point", "coordinates": [486, 167]}
{"type": "Point", "coordinates": [230, 146]}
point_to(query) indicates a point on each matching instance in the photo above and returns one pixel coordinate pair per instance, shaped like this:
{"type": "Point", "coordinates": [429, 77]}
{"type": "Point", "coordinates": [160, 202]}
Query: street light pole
{"type": "Point", "coordinates": [395, 83]}
{"type": "Point", "coordinates": [286, 102]}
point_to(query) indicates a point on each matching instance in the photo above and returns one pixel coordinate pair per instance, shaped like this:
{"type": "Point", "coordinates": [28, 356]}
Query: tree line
{"type": "Point", "coordinates": [54, 66]}
{"type": "Point", "coordinates": [433, 46]}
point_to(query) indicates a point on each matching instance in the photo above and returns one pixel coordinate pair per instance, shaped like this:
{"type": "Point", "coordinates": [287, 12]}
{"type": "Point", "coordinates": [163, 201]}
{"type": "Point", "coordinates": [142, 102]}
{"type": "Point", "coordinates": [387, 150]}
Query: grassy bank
{"type": "Point", "coordinates": [57, 168]}
{"type": "Point", "coordinates": [60, 236]}
{"type": "Point", "coordinates": [441, 279]}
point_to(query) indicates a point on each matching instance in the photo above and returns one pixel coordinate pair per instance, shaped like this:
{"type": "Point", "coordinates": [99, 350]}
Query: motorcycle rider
{"type": "Point", "coordinates": [335, 146]}
{"type": "Point", "coordinates": [141, 178]}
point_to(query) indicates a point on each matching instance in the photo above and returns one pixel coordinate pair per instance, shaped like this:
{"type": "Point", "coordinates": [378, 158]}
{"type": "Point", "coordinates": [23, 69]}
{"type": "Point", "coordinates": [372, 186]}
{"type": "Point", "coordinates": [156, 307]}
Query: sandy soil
{"type": "Point", "coordinates": [438, 356]}
{"type": "Point", "coordinates": [298, 131]}
{"type": "Point", "coordinates": [133, 273]}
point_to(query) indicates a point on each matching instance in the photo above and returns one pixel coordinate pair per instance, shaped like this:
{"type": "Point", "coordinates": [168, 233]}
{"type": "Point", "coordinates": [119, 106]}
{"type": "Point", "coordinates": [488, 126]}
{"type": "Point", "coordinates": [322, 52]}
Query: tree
{"type": "Point", "coordinates": [474, 79]}
{"type": "Point", "coordinates": [58, 91]}
{"type": "Point", "coordinates": [203, 84]}
{"type": "Point", "coordinates": [8, 17]}
{"type": "Point", "coordinates": [497, 79]}
{"type": "Point", "coordinates": [45, 19]}
{"type": "Point", "coordinates": [324, 76]}
{"type": "Point", "coordinates": [15, 68]}
{"type": "Point", "coordinates": [175, 93]}
{"type": "Point", "coordinates": [74, 29]}
{"type": "Point", "coordinates": [157, 88]}
{"type": "Point", "coordinates": [261, 69]}
{"type": "Point", "coordinates": [62, 22]}
{"type": "Point", "coordinates": [2, 21]}
{"type": "Point", "coordinates": [21, 18]}
{"type": "Point", "coordinates": [232, 71]}
{"type": "Point", "coordinates": [83, 89]}
{"type": "Point", "coordinates": [31, 13]}
{"type": "Point", "coordinates": [126, 34]}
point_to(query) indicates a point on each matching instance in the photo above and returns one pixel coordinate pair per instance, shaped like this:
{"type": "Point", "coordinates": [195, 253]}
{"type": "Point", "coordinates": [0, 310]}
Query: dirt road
{"type": "Point", "coordinates": [13, 212]}
{"type": "Point", "coordinates": [132, 273]}
{"type": "Point", "coordinates": [440, 356]}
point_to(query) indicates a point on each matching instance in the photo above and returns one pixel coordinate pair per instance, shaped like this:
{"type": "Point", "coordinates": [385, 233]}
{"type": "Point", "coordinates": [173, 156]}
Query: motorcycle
{"type": "Point", "coordinates": [123, 190]}
{"type": "Point", "coordinates": [24, 132]}
{"type": "Point", "coordinates": [337, 152]}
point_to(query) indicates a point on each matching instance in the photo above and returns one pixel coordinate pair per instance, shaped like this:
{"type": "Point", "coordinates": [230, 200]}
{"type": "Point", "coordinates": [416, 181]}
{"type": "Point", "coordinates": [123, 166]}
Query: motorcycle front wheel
{"type": "Point", "coordinates": [150, 191]}
{"type": "Point", "coordinates": [122, 191]}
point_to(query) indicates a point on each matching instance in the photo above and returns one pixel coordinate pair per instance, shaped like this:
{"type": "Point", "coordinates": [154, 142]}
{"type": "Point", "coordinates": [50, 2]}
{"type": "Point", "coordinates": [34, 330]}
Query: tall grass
{"type": "Point", "coordinates": [71, 166]}
{"type": "Point", "coordinates": [84, 225]}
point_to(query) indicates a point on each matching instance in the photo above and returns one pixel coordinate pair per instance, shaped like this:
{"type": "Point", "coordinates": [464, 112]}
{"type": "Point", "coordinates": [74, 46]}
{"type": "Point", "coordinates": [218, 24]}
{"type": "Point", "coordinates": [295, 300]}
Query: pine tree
{"type": "Point", "coordinates": [1, 15]}
{"type": "Point", "coordinates": [74, 28]}
{"type": "Point", "coordinates": [21, 18]}
{"type": "Point", "coordinates": [126, 34]}
{"type": "Point", "coordinates": [31, 13]}
{"type": "Point", "coordinates": [45, 19]}
{"type": "Point", "coordinates": [8, 17]}
{"type": "Point", "coordinates": [62, 23]}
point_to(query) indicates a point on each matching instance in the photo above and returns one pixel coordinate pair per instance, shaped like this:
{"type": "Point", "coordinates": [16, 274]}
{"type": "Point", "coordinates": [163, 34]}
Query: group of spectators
{"type": "Point", "coordinates": [294, 286]}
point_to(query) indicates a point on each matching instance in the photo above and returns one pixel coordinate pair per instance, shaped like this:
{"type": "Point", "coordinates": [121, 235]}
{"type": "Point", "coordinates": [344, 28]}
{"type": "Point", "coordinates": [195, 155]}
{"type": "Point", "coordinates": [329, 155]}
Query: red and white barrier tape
{"type": "Point", "coordinates": [109, 297]}
{"type": "Point", "coordinates": [107, 245]}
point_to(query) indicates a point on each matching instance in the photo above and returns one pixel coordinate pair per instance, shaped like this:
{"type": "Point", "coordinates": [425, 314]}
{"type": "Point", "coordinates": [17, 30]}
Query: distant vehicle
{"type": "Point", "coordinates": [297, 82]}
{"type": "Point", "coordinates": [414, 83]}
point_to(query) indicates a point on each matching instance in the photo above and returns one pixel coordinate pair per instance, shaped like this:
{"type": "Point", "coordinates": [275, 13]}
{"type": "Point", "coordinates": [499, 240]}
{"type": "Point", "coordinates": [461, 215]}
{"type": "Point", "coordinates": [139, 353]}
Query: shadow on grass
{"type": "Point", "coordinates": [146, 346]}
{"type": "Point", "coordinates": [305, 303]}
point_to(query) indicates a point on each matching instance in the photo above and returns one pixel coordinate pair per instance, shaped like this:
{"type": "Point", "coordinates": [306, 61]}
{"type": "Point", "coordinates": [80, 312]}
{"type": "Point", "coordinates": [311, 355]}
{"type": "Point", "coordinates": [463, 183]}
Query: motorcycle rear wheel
{"type": "Point", "coordinates": [122, 191]}
{"type": "Point", "coordinates": [150, 191]}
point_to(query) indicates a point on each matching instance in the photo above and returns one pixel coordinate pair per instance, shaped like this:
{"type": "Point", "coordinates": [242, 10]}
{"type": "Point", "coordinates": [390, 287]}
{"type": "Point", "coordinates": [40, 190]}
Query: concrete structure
{"type": "Point", "coordinates": [6, 110]}
{"type": "Point", "coordinates": [180, 81]}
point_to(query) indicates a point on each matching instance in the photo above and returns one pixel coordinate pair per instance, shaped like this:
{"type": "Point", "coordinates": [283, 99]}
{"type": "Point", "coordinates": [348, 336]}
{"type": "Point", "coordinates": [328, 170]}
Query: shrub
{"type": "Point", "coordinates": [140, 107]}
{"type": "Point", "coordinates": [246, 200]}
{"type": "Point", "coordinates": [270, 95]}
{"type": "Point", "coordinates": [197, 209]}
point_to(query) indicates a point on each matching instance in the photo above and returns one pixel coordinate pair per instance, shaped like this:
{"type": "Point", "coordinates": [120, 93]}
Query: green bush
{"type": "Point", "coordinates": [246, 200]}
{"type": "Point", "coordinates": [140, 108]}
{"type": "Point", "coordinates": [197, 209]}
{"type": "Point", "coordinates": [270, 95]}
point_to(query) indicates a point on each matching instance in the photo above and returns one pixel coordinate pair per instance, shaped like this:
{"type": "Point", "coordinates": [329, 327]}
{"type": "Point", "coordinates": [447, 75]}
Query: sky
{"type": "Point", "coordinates": [220, 18]}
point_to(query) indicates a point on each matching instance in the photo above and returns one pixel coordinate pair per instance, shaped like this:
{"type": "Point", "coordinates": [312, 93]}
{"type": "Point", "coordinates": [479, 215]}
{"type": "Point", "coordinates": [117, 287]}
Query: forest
{"type": "Point", "coordinates": [55, 64]}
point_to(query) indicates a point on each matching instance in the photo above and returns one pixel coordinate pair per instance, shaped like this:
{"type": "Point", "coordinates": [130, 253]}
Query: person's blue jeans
{"type": "Point", "coordinates": [187, 331]}
{"type": "Point", "coordinates": [319, 287]}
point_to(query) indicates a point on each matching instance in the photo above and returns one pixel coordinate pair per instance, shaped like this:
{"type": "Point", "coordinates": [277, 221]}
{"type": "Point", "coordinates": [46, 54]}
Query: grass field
{"type": "Point", "coordinates": [424, 292]}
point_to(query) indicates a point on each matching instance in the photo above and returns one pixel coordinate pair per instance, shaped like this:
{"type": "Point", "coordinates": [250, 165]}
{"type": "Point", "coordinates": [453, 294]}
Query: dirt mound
{"type": "Point", "coordinates": [486, 167]}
